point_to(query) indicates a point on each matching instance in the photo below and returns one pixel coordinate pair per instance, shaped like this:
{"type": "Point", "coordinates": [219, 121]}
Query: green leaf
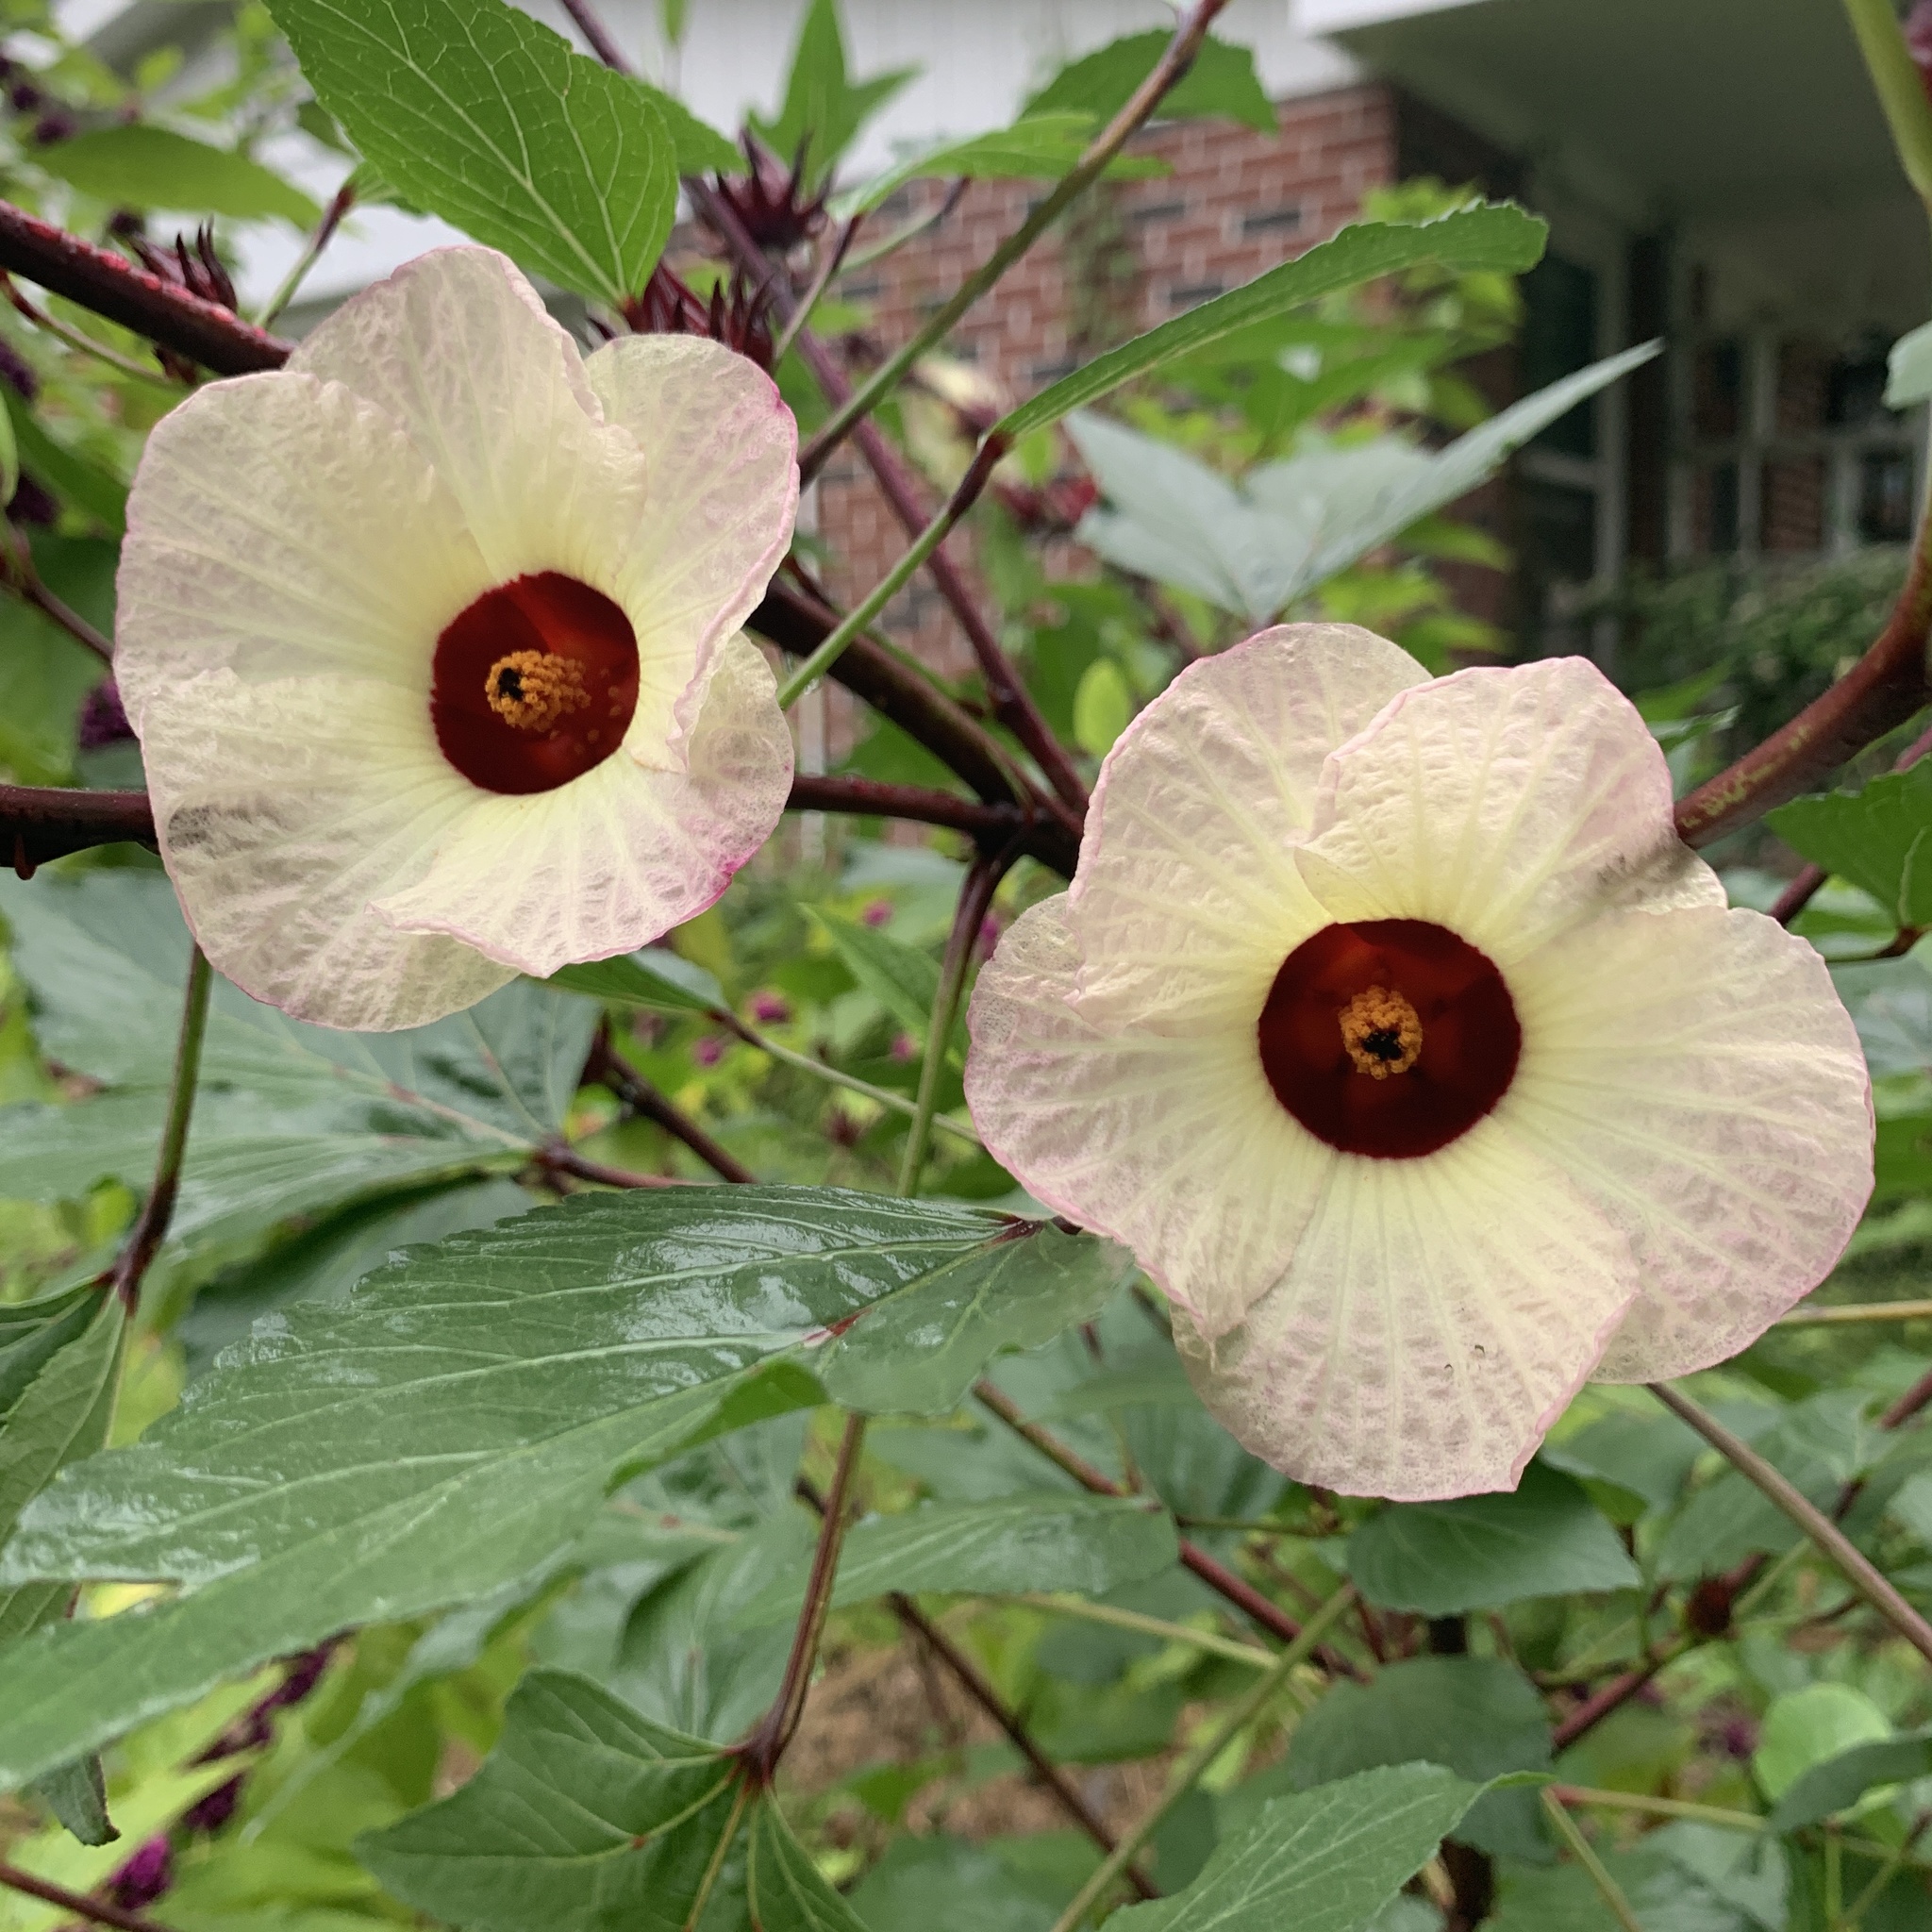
{"type": "Point", "coordinates": [1103, 707]}
{"type": "Point", "coordinates": [1478, 1715]}
{"type": "Point", "coordinates": [451, 1427]}
{"type": "Point", "coordinates": [696, 146]}
{"type": "Point", "coordinates": [1839, 1782]}
{"type": "Point", "coordinates": [824, 110]}
{"type": "Point", "coordinates": [1222, 83]}
{"type": "Point", "coordinates": [1880, 839]}
{"type": "Point", "coordinates": [1649, 1455]}
{"type": "Point", "coordinates": [918, 1352]}
{"type": "Point", "coordinates": [151, 167]}
{"type": "Point", "coordinates": [565, 1826]}
{"type": "Point", "coordinates": [1805, 1730]}
{"type": "Point", "coordinates": [588, 1816]}
{"type": "Point", "coordinates": [1479, 1553]}
{"type": "Point", "coordinates": [77, 1794]}
{"type": "Point", "coordinates": [1324, 1861]}
{"type": "Point", "coordinates": [9, 457]}
{"type": "Point", "coordinates": [1498, 236]}
{"type": "Point", "coordinates": [292, 1121]}
{"type": "Point", "coordinates": [1908, 369]}
{"type": "Point", "coordinates": [1003, 1548]}
{"type": "Point", "coordinates": [72, 478]}
{"type": "Point", "coordinates": [903, 979]}
{"type": "Point", "coordinates": [1037, 145]}
{"type": "Point", "coordinates": [480, 114]}
{"type": "Point", "coordinates": [58, 1378]}
{"type": "Point", "coordinates": [655, 979]}
{"type": "Point", "coordinates": [1254, 546]}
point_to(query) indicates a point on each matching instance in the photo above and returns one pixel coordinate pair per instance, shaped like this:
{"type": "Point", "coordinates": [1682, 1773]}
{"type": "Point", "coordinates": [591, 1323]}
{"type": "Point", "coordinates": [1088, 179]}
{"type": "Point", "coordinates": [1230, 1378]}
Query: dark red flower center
{"type": "Point", "coordinates": [1389, 1037]}
{"type": "Point", "coordinates": [533, 684]}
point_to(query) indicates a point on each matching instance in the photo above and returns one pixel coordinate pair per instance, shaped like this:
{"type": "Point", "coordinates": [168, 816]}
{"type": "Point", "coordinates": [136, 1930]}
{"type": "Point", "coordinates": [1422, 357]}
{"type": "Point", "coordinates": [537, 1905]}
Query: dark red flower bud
{"type": "Point", "coordinates": [145, 1878]}
{"type": "Point", "coordinates": [771, 203]}
{"type": "Point", "coordinates": [1918, 33]}
{"type": "Point", "coordinates": [56, 126]}
{"type": "Point", "coordinates": [103, 718]}
{"type": "Point", "coordinates": [739, 316]}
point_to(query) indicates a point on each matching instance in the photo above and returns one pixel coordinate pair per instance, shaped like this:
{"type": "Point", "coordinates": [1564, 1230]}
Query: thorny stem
{"type": "Point", "coordinates": [1197, 1760]}
{"type": "Point", "coordinates": [1585, 1854]}
{"type": "Point", "coordinates": [151, 1223]}
{"type": "Point", "coordinates": [1168, 71]}
{"type": "Point", "coordinates": [97, 1910]}
{"type": "Point", "coordinates": [969, 915]}
{"type": "Point", "coordinates": [111, 285]}
{"type": "Point", "coordinates": [342, 201]}
{"type": "Point", "coordinates": [760, 1751]}
{"type": "Point", "coordinates": [1858, 1570]}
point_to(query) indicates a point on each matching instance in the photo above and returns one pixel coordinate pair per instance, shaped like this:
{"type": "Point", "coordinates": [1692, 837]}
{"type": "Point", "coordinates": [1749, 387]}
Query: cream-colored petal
{"type": "Point", "coordinates": [615, 858]}
{"type": "Point", "coordinates": [1187, 898]}
{"type": "Point", "coordinates": [282, 526]}
{"type": "Point", "coordinates": [283, 810]}
{"type": "Point", "coordinates": [456, 348]}
{"type": "Point", "coordinates": [1696, 1074]}
{"type": "Point", "coordinates": [1175, 1147]}
{"type": "Point", "coordinates": [1506, 804]}
{"type": "Point", "coordinates": [720, 454]}
{"type": "Point", "coordinates": [1436, 1317]}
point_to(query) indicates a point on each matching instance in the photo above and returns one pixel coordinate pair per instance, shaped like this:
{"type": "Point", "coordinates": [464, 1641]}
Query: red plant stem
{"type": "Point", "coordinates": [39, 823]}
{"type": "Point", "coordinates": [605, 1065]}
{"type": "Point", "coordinates": [1908, 1404]}
{"type": "Point", "coordinates": [760, 1751]}
{"type": "Point", "coordinates": [110, 285]}
{"type": "Point", "coordinates": [1012, 704]}
{"type": "Point", "coordinates": [1612, 1696]}
{"type": "Point", "coordinates": [597, 34]}
{"type": "Point", "coordinates": [97, 1910]}
{"type": "Point", "coordinates": [1217, 1576]}
{"type": "Point", "coordinates": [561, 1160]}
{"type": "Point", "coordinates": [978, 1687]}
{"type": "Point", "coordinates": [1877, 694]}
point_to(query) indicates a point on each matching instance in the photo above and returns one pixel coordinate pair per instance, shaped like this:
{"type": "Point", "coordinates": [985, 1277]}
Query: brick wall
{"type": "Point", "coordinates": [1235, 204]}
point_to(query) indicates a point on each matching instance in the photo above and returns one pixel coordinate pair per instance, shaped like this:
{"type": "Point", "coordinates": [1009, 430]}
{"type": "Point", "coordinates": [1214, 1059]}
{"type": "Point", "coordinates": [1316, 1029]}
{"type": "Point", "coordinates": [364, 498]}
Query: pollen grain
{"type": "Point", "coordinates": [1382, 1032]}
{"type": "Point", "coordinates": [531, 690]}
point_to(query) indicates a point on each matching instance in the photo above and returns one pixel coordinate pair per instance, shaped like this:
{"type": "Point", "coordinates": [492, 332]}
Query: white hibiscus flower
{"type": "Point", "coordinates": [431, 639]}
{"type": "Point", "coordinates": [1390, 1024]}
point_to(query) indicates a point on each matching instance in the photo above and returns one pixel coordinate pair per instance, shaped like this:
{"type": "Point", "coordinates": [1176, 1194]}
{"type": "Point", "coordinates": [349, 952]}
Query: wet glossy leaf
{"type": "Point", "coordinates": [480, 114]}
{"type": "Point", "coordinates": [152, 168]}
{"type": "Point", "coordinates": [58, 1360]}
{"type": "Point", "coordinates": [1324, 1861]}
{"type": "Point", "coordinates": [1481, 1551]}
{"type": "Point", "coordinates": [918, 1352]}
{"type": "Point", "coordinates": [1500, 237]}
{"type": "Point", "coordinates": [1018, 1543]}
{"type": "Point", "coordinates": [452, 1426]}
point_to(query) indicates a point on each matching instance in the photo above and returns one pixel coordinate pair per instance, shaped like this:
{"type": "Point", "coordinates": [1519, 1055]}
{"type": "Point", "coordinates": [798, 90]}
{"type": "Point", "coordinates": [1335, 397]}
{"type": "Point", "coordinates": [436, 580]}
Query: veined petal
{"type": "Point", "coordinates": [1436, 1317]}
{"type": "Point", "coordinates": [1196, 813]}
{"type": "Point", "coordinates": [1506, 806]}
{"type": "Point", "coordinates": [1696, 1074]}
{"type": "Point", "coordinates": [615, 858]}
{"type": "Point", "coordinates": [283, 809]}
{"type": "Point", "coordinates": [720, 492]}
{"type": "Point", "coordinates": [283, 526]}
{"type": "Point", "coordinates": [1176, 1147]}
{"type": "Point", "coordinates": [456, 348]}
